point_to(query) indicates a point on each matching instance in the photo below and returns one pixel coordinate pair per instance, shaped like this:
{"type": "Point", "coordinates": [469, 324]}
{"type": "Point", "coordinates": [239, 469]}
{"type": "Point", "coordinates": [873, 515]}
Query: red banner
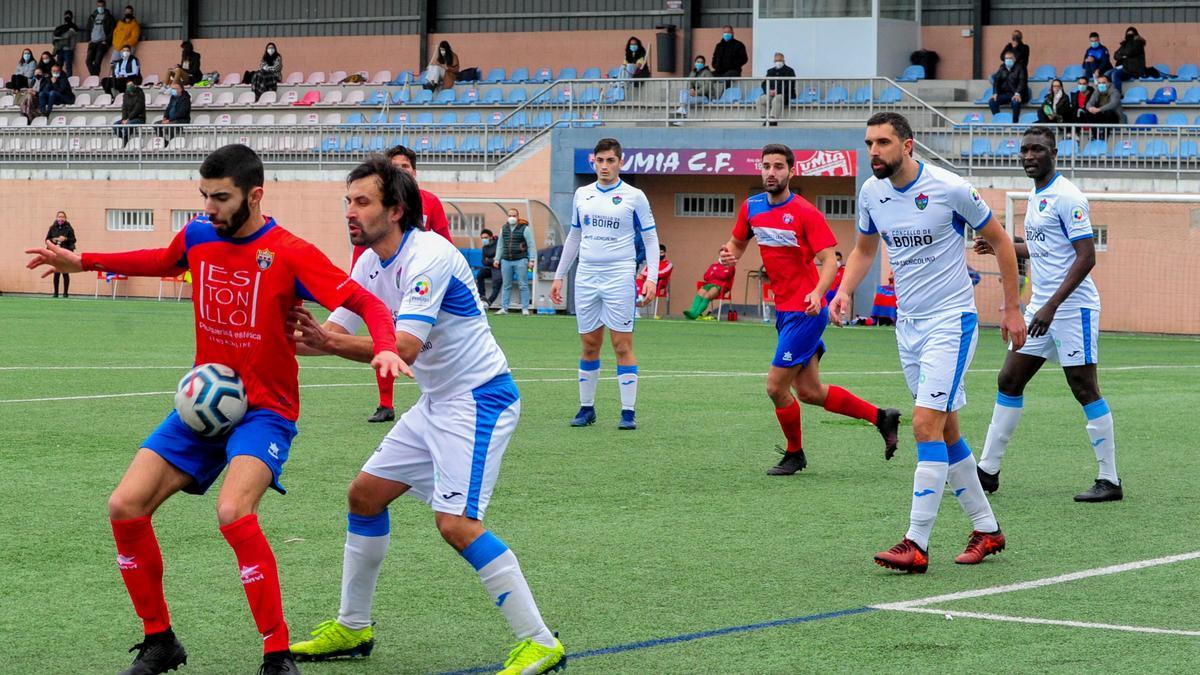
{"type": "Point", "coordinates": [711, 162]}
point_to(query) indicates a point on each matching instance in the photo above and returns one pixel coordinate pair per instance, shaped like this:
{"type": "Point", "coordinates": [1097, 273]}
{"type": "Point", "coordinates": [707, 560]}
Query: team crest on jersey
{"type": "Point", "coordinates": [1077, 214]}
{"type": "Point", "coordinates": [787, 219]}
{"type": "Point", "coordinates": [922, 201]}
{"type": "Point", "coordinates": [1042, 205]}
{"type": "Point", "coordinates": [264, 258]}
{"type": "Point", "coordinates": [616, 200]}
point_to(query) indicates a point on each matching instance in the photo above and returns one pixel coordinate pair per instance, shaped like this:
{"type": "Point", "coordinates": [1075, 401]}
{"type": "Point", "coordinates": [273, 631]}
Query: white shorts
{"type": "Point", "coordinates": [1073, 338]}
{"type": "Point", "coordinates": [449, 451]}
{"type": "Point", "coordinates": [608, 299]}
{"type": "Point", "coordinates": [935, 354]}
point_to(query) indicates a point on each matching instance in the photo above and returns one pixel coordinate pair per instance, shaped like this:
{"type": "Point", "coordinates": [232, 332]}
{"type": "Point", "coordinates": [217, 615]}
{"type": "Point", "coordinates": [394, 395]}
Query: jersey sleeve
{"type": "Point", "coordinates": [866, 224]}
{"type": "Point", "coordinates": [1074, 215]}
{"type": "Point", "coordinates": [343, 316]}
{"type": "Point", "coordinates": [741, 229]}
{"type": "Point", "coordinates": [424, 287]}
{"type": "Point", "coordinates": [816, 230]}
{"type": "Point", "coordinates": [576, 220]}
{"type": "Point", "coordinates": [318, 279]}
{"type": "Point", "coordinates": [643, 218]}
{"type": "Point", "coordinates": [967, 203]}
{"type": "Point", "coordinates": [151, 262]}
{"type": "Point", "coordinates": [436, 215]}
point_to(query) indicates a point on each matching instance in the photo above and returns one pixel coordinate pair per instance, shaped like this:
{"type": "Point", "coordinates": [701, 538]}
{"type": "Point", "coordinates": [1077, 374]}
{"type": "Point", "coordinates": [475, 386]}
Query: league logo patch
{"type": "Point", "coordinates": [787, 219]}
{"type": "Point", "coordinates": [1077, 214]}
{"type": "Point", "coordinates": [974, 194]}
{"type": "Point", "coordinates": [616, 200]}
{"type": "Point", "coordinates": [419, 291]}
{"type": "Point", "coordinates": [922, 201]}
{"type": "Point", "coordinates": [421, 286]}
{"type": "Point", "coordinates": [1042, 205]}
{"type": "Point", "coordinates": [264, 258]}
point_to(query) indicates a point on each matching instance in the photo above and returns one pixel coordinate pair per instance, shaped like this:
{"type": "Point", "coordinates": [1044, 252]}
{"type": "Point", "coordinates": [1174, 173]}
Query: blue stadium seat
{"type": "Point", "coordinates": [400, 97]}
{"type": "Point", "coordinates": [1002, 118]}
{"type": "Point", "coordinates": [1147, 119]}
{"type": "Point", "coordinates": [912, 74]}
{"type": "Point", "coordinates": [518, 76]}
{"type": "Point", "coordinates": [862, 95]}
{"type": "Point", "coordinates": [1189, 150]}
{"type": "Point", "coordinates": [517, 96]}
{"type": "Point", "coordinates": [568, 74]}
{"type": "Point", "coordinates": [1164, 96]}
{"type": "Point", "coordinates": [353, 144]}
{"type": "Point", "coordinates": [614, 95]}
{"type": "Point", "coordinates": [541, 75]}
{"type": "Point", "coordinates": [614, 73]}
{"type": "Point", "coordinates": [1196, 121]}
{"type": "Point", "coordinates": [1044, 73]}
{"type": "Point", "coordinates": [1095, 148]}
{"type": "Point", "coordinates": [517, 144]}
{"type": "Point", "coordinates": [376, 99]}
{"type": "Point", "coordinates": [1007, 147]}
{"type": "Point", "coordinates": [355, 118]}
{"type": "Point", "coordinates": [329, 144]}
{"type": "Point", "coordinates": [470, 145]}
{"type": "Point", "coordinates": [517, 121]}
{"type": "Point", "coordinates": [493, 96]}
{"type": "Point", "coordinates": [987, 96]}
{"type": "Point", "coordinates": [589, 95]}
{"type": "Point", "coordinates": [837, 95]}
{"type": "Point", "coordinates": [446, 144]}
{"type": "Point", "coordinates": [402, 78]}
{"type": "Point", "coordinates": [1163, 69]}
{"type": "Point", "coordinates": [467, 96]}
{"type": "Point", "coordinates": [1191, 96]}
{"type": "Point", "coordinates": [1176, 120]}
{"type": "Point", "coordinates": [378, 118]}
{"type": "Point", "coordinates": [422, 144]}
{"type": "Point", "coordinates": [1067, 148]}
{"type": "Point", "coordinates": [474, 257]}
{"type": "Point", "coordinates": [542, 120]}
{"type": "Point", "coordinates": [495, 76]}
{"type": "Point", "coordinates": [1188, 72]}
{"type": "Point", "coordinates": [980, 147]}
{"type": "Point", "coordinates": [472, 118]}
{"type": "Point", "coordinates": [376, 144]}
{"type": "Point", "coordinates": [1126, 149]}
{"type": "Point", "coordinates": [1041, 95]}
{"type": "Point", "coordinates": [890, 95]}
{"type": "Point", "coordinates": [1156, 148]}
{"type": "Point", "coordinates": [1135, 95]}
{"type": "Point", "coordinates": [495, 144]}
{"type": "Point", "coordinates": [421, 97]}
{"type": "Point", "coordinates": [1028, 118]}
{"type": "Point", "coordinates": [424, 119]}
{"type": "Point", "coordinates": [567, 119]}
{"type": "Point", "coordinates": [806, 96]}
{"type": "Point", "coordinates": [447, 118]}
{"type": "Point", "coordinates": [973, 118]}
{"type": "Point", "coordinates": [731, 96]}
{"type": "Point", "coordinates": [444, 97]}
{"type": "Point", "coordinates": [1072, 72]}
{"type": "Point", "coordinates": [400, 117]}
{"type": "Point", "coordinates": [592, 73]}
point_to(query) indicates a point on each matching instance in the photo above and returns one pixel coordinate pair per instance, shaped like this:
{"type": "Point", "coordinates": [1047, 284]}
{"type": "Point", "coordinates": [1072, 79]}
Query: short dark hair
{"type": "Point", "coordinates": [1008, 51]}
{"type": "Point", "coordinates": [780, 149]}
{"type": "Point", "coordinates": [403, 150]}
{"type": "Point", "coordinates": [1045, 132]}
{"type": "Point", "coordinates": [1104, 75]}
{"type": "Point", "coordinates": [1094, 34]}
{"type": "Point", "coordinates": [237, 162]}
{"type": "Point", "coordinates": [396, 188]}
{"type": "Point", "coordinates": [487, 232]}
{"type": "Point", "coordinates": [899, 123]}
{"type": "Point", "coordinates": [606, 144]}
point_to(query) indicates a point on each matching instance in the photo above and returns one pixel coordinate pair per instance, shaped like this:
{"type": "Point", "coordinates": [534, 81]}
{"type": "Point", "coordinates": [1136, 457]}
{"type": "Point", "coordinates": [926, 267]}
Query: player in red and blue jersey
{"type": "Point", "coordinates": [248, 273]}
{"type": "Point", "coordinates": [791, 232]}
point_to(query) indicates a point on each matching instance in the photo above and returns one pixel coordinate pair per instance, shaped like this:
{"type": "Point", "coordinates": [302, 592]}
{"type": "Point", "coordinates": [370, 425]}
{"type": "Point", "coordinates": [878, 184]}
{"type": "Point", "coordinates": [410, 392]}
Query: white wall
{"type": "Point", "coordinates": [852, 47]}
{"type": "Point", "coordinates": [897, 40]}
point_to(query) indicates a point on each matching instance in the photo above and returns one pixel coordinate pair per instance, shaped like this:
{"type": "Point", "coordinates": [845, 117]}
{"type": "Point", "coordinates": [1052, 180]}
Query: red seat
{"type": "Point", "coordinates": [311, 98]}
{"type": "Point", "coordinates": [727, 295]}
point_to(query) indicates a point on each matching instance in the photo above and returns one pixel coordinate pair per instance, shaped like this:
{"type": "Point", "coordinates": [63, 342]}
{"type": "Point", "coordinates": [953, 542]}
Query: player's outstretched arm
{"type": "Point", "coordinates": [1012, 325]}
{"type": "Point", "coordinates": [152, 262]}
{"type": "Point", "coordinates": [313, 338]}
{"type": "Point", "coordinates": [55, 258]}
{"type": "Point", "coordinates": [857, 265]}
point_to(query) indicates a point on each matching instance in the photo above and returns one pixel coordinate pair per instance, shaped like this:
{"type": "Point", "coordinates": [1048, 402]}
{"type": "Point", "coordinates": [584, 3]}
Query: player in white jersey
{"type": "Point", "coordinates": [446, 450]}
{"type": "Point", "coordinates": [607, 218]}
{"type": "Point", "coordinates": [1063, 317]}
{"type": "Point", "coordinates": [920, 212]}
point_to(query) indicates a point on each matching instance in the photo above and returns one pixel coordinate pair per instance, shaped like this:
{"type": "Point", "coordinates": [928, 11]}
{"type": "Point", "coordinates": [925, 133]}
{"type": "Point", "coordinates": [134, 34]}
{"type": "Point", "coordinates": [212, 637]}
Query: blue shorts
{"type": "Point", "coordinates": [264, 434]}
{"type": "Point", "coordinates": [799, 337]}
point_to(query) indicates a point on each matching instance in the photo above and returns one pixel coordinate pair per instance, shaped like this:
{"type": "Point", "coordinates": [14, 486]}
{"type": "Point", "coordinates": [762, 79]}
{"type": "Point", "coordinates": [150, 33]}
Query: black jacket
{"type": "Point", "coordinates": [1131, 55]}
{"type": "Point", "coordinates": [193, 69]}
{"type": "Point", "coordinates": [66, 230]}
{"type": "Point", "coordinates": [62, 85]}
{"type": "Point", "coordinates": [179, 110]}
{"type": "Point", "coordinates": [782, 87]}
{"type": "Point", "coordinates": [489, 253]}
{"type": "Point", "coordinates": [1010, 81]}
{"type": "Point", "coordinates": [133, 105]}
{"type": "Point", "coordinates": [1020, 53]}
{"type": "Point", "coordinates": [729, 58]}
{"type": "Point", "coordinates": [1064, 112]}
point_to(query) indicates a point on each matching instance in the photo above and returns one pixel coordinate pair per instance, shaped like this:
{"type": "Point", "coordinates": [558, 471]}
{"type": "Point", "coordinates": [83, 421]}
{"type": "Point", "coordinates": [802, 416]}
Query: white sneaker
{"type": "Point", "coordinates": [524, 312]}
{"type": "Point", "coordinates": [502, 311]}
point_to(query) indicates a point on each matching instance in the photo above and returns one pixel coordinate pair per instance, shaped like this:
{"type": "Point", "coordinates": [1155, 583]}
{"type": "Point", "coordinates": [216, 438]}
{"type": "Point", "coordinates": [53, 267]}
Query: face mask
{"type": "Point", "coordinates": [60, 221]}
{"type": "Point", "coordinates": [1095, 44]}
{"type": "Point", "coordinates": [633, 48]}
{"type": "Point", "coordinates": [186, 65]}
{"type": "Point", "coordinates": [1129, 36]}
{"type": "Point", "coordinates": [124, 55]}
{"type": "Point", "coordinates": [1016, 38]}
{"type": "Point", "coordinates": [779, 64]}
{"type": "Point", "coordinates": [174, 93]}
{"type": "Point", "coordinates": [45, 60]}
{"type": "Point", "coordinates": [512, 220]}
{"type": "Point", "coordinates": [128, 17]}
{"type": "Point", "coordinates": [1082, 87]}
{"type": "Point", "coordinates": [55, 75]}
{"type": "Point", "coordinates": [1009, 63]}
{"type": "Point", "coordinates": [26, 57]}
{"type": "Point", "coordinates": [270, 51]}
{"type": "Point", "coordinates": [486, 240]}
{"type": "Point", "coordinates": [1102, 87]}
{"type": "Point", "coordinates": [699, 66]}
{"type": "Point", "coordinates": [727, 36]}
{"type": "Point", "coordinates": [442, 52]}
{"type": "Point", "coordinates": [99, 10]}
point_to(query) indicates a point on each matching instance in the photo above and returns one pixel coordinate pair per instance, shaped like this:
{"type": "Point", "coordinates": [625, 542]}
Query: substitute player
{"type": "Point", "coordinates": [433, 219]}
{"type": "Point", "coordinates": [1063, 316]}
{"type": "Point", "coordinates": [791, 232]}
{"type": "Point", "coordinates": [248, 273]}
{"type": "Point", "coordinates": [920, 212]}
{"type": "Point", "coordinates": [607, 217]}
{"type": "Point", "coordinates": [446, 450]}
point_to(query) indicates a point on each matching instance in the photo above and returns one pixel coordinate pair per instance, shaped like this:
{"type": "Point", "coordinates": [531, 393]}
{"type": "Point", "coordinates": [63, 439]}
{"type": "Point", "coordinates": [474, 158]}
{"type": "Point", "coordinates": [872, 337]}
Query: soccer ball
{"type": "Point", "coordinates": [211, 399]}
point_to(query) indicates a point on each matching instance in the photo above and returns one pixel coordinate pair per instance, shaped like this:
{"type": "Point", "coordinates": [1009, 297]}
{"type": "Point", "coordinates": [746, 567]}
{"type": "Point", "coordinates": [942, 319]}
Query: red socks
{"type": "Point", "coordinates": [140, 561]}
{"type": "Point", "coordinates": [789, 421]}
{"type": "Point", "coordinates": [260, 580]}
{"type": "Point", "coordinates": [843, 402]}
{"type": "Point", "coordinates": [387, 385]}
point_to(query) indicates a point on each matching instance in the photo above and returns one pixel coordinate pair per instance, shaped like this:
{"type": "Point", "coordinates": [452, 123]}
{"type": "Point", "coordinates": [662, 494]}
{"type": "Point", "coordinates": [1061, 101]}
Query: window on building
{"type": "Point", "coordinates": [1100, 234]}
{"type": "Point", "coordinates": [904, 10]}
{"type": "Point", "coordinates": [838, 207]}
{"type": "Point", "coordinates": [689, 205]}
{"type": "Point", "coordinates": [467, 225]}
{"type": "Point", "coordinates": [130, 220]}
{"type": "Point", "coordinates": [181, 217]}
{"type": "Point", "coordinates": [817, 9]}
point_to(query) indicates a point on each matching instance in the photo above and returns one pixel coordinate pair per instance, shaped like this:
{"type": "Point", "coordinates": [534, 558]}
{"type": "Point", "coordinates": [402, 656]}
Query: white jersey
{"type": "Point", "coordinates": [610, 220]}
{"type": "Point", "coordinates": [430, 290]}
{"type": "Point", "coordinates": [922, 224]}
{"type": "Point", "coordinates": [1056, 217]}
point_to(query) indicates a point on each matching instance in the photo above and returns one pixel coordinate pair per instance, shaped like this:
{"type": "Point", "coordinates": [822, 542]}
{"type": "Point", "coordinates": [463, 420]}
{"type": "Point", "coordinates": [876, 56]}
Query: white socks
{"type": "Point", "coordinates": [1005, 417]}
{"type": "Point", "coordinates": [367, 542]}
{"type": "Point", "coordinates": [589, 376]}
{"type": "Point", "coordinates": [1100, 430]}
{"type": "Point", "coordinates": [502, 577]}
{"type": "Point", "coordinates": [929, 481]}
{"type": "Point", "coordinates": [964, 482]}
{"type": "Point", "coordinates": [627, 378]}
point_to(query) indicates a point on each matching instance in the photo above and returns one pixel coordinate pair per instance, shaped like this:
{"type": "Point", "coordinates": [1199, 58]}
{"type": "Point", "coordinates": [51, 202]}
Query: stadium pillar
{"type": "Point", "coordinates": [690, 19]}
{"type": "Point", "coordinates": [426, 24]}
{"type": "Point", "coordinates": [189, 15]}
{"type": "Point", "coordinates": [980, 11]}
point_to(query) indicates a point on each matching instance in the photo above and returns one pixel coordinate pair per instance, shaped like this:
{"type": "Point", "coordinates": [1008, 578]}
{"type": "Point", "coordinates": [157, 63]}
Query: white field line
{"type": "Point", "coordinates": [841, 373]}
{"type": "Point", "coordinates": [908, 605]}
{"type": "Point", "coordinates": [951, 613]}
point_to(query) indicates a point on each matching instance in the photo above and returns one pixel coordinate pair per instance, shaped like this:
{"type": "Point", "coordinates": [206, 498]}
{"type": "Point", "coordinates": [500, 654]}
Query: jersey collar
{"type": "Point", "coordinates": [767, 201]}
{"type": "Point", "coordinates": [920, 172]}
{"type": "Point", "coordinates": [600, 189]}
{"type": "Point", "coordinates": [385, 263]}
{"type": "Point", "coordinates": [1047, 185]}
{"type": "Point", "coordinates": [268, 225]}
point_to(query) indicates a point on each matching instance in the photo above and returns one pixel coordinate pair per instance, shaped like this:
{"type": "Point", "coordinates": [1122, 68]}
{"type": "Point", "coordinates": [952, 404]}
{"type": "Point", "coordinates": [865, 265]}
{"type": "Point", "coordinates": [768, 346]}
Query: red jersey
{"type": "Point", "coordinates": [789, 236]}
{"type": "Point", "coordinates": [242, 291]}
{"type": "Point", "coordinates": [721, 275]}
{"type": "Point", "coordinates": [433, 217]}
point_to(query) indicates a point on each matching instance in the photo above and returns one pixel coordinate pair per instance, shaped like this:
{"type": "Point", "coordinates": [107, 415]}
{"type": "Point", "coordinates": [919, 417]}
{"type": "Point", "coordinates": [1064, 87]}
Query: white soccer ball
{"type": "Point", "coordinates": [211, 399]}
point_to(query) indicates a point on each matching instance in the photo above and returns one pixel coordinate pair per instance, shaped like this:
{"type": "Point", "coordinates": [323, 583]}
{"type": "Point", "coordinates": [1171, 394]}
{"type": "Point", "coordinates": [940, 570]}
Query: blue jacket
{"type": "Point", "coordinates": [1101, 57]}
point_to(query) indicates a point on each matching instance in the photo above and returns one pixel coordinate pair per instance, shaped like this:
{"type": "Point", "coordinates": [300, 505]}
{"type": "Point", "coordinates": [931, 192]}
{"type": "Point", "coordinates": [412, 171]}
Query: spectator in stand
{"type": "Point", "coordinates": [188, 69]}
{"type": "Point", "coordinates": [1131, 59]}
{"type": "Point", "coordinates": [443, 68]}
{"type": "Point", "coordinates": [179, 111]}
{"type": "Point", "coordinates": [63, 40]}
{"type": "Point", "coordinates": [1019, 49]}
{"type": "Point", "coordinates": [133, 111]}
{"type": "Point", "coordinates": [44, 65]}
{"type": "Point", "coordinates": [125, 35]}
{"type": "Point", "coordinates": [61, 234]}
{"type": "Point", "coordinates": [1096, 60]}
{"type": "Point", "coordinates": [1056, 108]}
{"type": "Point", "coordinates": [665, 268]}
{"type": "Point", "coordinates": [636, 65]}
{"type": "Point", "coordinates": [127, 69]}
{"type": "Point", "coordinates": [729, 56]}
{"type": "Point", "coordinates": [1080, 97]}
{"type": "Point", "coordinates": [489, 271]}
{"type": "Point", "coordinates": [23, 76]}
{"type": "Point", "coordinates": [718, 280]}
{"type": "Point", "coordinates": [1104, 106]}
{"type": "Point", "coordinates": [270, 71]}
{"type": "Point", "coordinates": [100, 26]}
{"type": "Point", "coordinates": [518, 255]}
{"type": "Point", "coordinates": [778, 89]}
{"type": "Point", "coordinates": [55, 91]}
{"type": "Point", "coordinates": [1008, 83]}
{"type": "Point", "coordinates": [702, 87]}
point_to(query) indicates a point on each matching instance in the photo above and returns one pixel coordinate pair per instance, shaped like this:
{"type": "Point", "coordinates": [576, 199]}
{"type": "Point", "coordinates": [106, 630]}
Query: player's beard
{"type": "Point", "coordinates": [236, 222]}
{"type": "Point", "coordinates": [777, 190]}
{"type": "Point", "coordinates": [887, 170]}
{"type": "Point", "coordinates": [365, 236]}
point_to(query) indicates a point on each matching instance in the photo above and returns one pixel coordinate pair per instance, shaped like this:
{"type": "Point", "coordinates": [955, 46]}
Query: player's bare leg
{"type": "Point", "coordinates": [986, 538]}
{"type": "Point", "coordinates": [838, 400]}
{"type": "Point", "coordinates": [589, 376]}
{"type": "Point", "coordinates": [1085, 386]}
{"type": "Point", "coordinates": [147, 483]}
{"type": "Point", "coordinates": [246, 479]}
{"type": "Point", "coordinates": [1017, 371]}
{"type": "Point", "coordinates": [627, 377]}
{"type": "Point", "coordinates": [780, 383]}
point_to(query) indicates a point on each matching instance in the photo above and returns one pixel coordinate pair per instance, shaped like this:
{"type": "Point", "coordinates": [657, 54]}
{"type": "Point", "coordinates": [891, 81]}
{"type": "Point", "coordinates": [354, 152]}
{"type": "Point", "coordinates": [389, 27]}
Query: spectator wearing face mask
{"type": "Point", "coordinates": [778, 89]}
{"type": "Point", "coordinates": [1008, 83]}
{"type": "Point", "coordinates": [179, 111]}
{"type": "Point", "coordinates": [63, 41]}
{"type": "Point", "coordinates": [1020, 50]}
{"type": "Point", "coordinates": [45, 63]}
{"type": "Point", "coordinates": [443, 68]}
{"type": "Point", "coordinates": [1096, 60]}
{"type": "Point", "coordinates": [99, 27]}
{"type": "Point", "coordinates": [729, 56]}
{"type": "Point", "coordinates": [1130, 58]}
{"type": "Point", "coordinates": [518, 255]}
{"type": "Point", "coordinates": [700, 87]}
{"type": "Point", "coordinates": [1080, 97]}
{"type": "Point", "coordinates": [1056, 108]}
{"type": "Point", "coordinates": [1104, 105]}
{"type": "Point", "coordinates": [636, 65]}
{"type": "Point", "coordinates": [270, 71]}
{"type": "Point", "coordinates": [23, 75]}
{"type": "Point", "coordinates": [61, 234]}
{"type": "Point", "coordinates": [56, 91]}
{"type": "Point", "coordinates": [188, 69]}
{"type": "Point", "coordinates": [127, 69]}
{"type": "Point", "coordinates": [126, 34]}
{"type": "Point", "coordinates": [488, 272]}
{"type": "Point", "coordinates": [133, 111]}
